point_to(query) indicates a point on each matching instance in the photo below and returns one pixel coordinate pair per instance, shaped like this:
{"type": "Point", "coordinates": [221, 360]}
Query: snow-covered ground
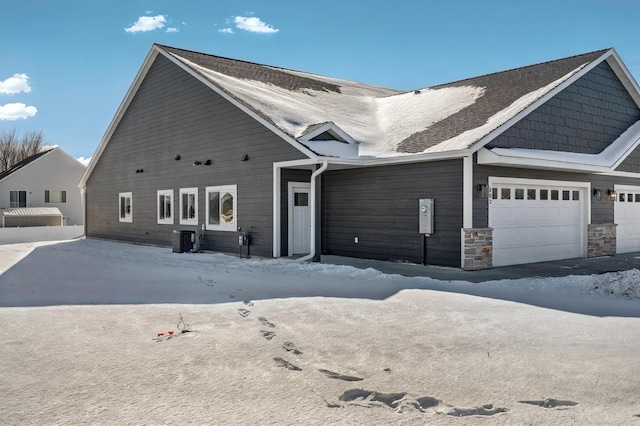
{"type": "Point", "coordinates": [280, 342]}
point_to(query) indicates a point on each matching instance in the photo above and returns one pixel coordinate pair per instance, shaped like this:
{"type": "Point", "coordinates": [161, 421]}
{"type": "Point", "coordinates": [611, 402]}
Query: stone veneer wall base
{"type": "Point", "coordinates": [602, 240]}
{"type": "Point", "coordinates": [477, 248]}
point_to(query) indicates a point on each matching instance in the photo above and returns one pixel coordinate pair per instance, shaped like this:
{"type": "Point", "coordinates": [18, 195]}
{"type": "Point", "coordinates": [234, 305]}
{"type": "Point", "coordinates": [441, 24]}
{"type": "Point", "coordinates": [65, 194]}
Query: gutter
{"type": "Point", "coordinates": [314, 175]}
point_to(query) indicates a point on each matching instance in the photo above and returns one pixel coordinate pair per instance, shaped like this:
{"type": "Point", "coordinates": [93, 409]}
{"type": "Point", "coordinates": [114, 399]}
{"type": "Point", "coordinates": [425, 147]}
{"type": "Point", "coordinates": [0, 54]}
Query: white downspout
{"type": "Point", "coordinates": [314, 175]}
{"type": "Point", "coordinates": [276, 210]}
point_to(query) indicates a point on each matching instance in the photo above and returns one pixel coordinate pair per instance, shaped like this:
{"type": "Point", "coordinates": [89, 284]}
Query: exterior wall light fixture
{"type": "Point", "coordinates": [612, 194]}
{"type": "Point", "coordinates": [597, 194]}
{"type": "Point", "coordinates": [482, 189]}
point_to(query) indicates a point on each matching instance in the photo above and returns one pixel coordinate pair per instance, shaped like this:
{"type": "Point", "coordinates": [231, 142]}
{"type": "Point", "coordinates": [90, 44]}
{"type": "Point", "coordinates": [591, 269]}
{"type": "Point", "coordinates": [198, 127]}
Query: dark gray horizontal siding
{"type": "Point", "coordinates": [172, 113]}
{"type": "Point", "coordinates": [585, 117]}
{"type": "Point", "coordinates": [379, 205]}
{"type": "Point", "coordinates": [601, 211]}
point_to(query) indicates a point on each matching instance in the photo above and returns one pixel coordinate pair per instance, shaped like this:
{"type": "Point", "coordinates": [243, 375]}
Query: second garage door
{"type": "Point", "coordinates": [536, 221]}
{"type": "Point", "coordinates": [627, 216]}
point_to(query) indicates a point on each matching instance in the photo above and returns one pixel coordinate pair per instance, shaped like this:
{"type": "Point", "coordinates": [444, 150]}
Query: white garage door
{"type": "Point", "coordinates": [535, 223]}
{"type": "Point", "coordinates": [627, 216]}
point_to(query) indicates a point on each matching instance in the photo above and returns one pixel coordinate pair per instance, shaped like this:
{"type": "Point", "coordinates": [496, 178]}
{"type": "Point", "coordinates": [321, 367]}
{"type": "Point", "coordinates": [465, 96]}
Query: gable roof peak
{"type": "Point", "coordinates": [20, 164]}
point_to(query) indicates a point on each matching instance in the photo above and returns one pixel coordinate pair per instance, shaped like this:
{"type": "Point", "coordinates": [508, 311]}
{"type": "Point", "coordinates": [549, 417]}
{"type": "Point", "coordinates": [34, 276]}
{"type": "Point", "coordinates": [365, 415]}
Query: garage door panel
{"type": "Point", "coordinates": [627, 217]}
{"type": "Point", "coordinates": [546, 223]}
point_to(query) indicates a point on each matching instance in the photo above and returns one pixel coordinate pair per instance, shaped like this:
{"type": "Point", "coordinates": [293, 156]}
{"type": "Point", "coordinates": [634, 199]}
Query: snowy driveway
{"type": "Point", "coordinates": [101, 272]}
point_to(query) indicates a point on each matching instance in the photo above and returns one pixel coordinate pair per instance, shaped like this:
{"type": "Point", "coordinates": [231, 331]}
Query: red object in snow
{"type": "Point", "coordinates": [160, 334]}
{"type": "Point", "coordinates": [170, 333]}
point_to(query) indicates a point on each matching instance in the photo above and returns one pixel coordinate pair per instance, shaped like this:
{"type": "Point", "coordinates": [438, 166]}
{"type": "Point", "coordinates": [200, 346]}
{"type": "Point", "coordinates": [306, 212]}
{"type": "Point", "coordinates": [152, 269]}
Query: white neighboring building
{"type": "Point", "coordinates": [47, 179]}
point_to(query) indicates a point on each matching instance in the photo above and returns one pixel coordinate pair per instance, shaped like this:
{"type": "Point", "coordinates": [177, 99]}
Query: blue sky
{"type": "Point", "coordinates": [66, 65]}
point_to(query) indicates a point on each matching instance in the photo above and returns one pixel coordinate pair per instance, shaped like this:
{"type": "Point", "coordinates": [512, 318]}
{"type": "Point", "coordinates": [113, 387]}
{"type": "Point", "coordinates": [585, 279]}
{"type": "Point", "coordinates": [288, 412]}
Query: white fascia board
{"type": "Point", "coordinates": [241, 106]}
{"type": "Point", "coordinates": [295, 163]}
{"type": "Point", "coordinates": [371, 162]}
{"type": "Point", "coordinates": [622, 72]}
{"type": "Point", "coordinates": [622, 174]}
{"type": "Point", "coordinates": [144, 69]}
{"type": "Point", "coordinates": [491, 158]}
{"type": "Point", "coordinates": [550, 94]}
{"type": "Point", "coordinates": [404, 159]}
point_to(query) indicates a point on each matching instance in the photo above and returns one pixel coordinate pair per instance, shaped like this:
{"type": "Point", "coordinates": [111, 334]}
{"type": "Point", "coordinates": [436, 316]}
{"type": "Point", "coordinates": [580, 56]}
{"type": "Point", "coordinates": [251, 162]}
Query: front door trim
{"type": "Point", "coordinates": [292, 186]}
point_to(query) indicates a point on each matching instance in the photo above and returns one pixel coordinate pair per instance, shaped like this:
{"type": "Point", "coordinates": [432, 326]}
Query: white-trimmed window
{"type": "Point", "coordinates": [17, 198]}
{"type": "Point", "coordinates": [126, 207]}
{"type": "Point", "coordinates": [188, 206]}
{"type": "Point", "coordinates": [165, 206]}
{"type": "Point", "coordinates": [55, 196]}
{"type": "Point", "coordinates": [222, 208]}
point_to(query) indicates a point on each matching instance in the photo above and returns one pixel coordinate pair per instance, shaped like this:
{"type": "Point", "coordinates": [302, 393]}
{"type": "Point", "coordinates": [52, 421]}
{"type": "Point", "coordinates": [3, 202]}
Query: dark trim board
{"type": "Point", "coordinates": [379, 205]}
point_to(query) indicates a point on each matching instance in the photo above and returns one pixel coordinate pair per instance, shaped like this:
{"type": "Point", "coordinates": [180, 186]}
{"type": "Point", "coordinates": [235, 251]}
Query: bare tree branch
{"type": "Point", "coordinates": [13, 150]}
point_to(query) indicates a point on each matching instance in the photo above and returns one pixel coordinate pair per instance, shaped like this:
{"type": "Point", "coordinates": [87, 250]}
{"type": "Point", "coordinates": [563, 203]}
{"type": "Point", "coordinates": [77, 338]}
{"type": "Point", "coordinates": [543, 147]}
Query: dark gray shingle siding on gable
{"type": "Point", "coordinates": [585, 117]}
{"type": "Point", "coordinates": [173, 113]}
{"type": "Point", "coordinates": [379, 205]}
{"type": "Point", "coordinates": [501, 90]}
{"type": "Point", "coordinates": [631, 163]}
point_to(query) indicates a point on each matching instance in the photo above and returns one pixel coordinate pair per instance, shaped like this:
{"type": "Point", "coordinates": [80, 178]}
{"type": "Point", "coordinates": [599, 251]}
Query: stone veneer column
{"type": "Point", "coordinates": [602, 240]}
{"type": "Point", "coordinates": [477, 248]}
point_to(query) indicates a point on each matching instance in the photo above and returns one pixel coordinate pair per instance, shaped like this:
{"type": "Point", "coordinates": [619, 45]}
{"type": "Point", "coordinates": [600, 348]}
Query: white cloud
{"type": "Point", "coordinates": [147, 23]}
{"type": "Point", "coordinates": [172, 30]}
{"type": "Point", "coordinates": [254, 25]}
{"type": "Point", "coordinates": [226, 30]}
{"type": "Point", "coordinates": [16, 84]}
{"type": "Point", "coordinates": [84, 161]}
{"type": "Point", "coordinates": [16, 111]}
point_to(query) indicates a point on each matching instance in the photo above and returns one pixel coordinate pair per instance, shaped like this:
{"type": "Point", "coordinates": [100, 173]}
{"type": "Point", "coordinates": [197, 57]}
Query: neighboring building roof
{"type": "Point", "coordinates": [385, 122]}
{"type": "Point", "coordinates": [30, 211]}
{"type": "Point", "coordinates": [23, 163]}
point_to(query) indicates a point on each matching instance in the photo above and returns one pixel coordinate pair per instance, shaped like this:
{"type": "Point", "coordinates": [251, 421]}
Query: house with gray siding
{"type": "Point", "coordinates": [525, 165]}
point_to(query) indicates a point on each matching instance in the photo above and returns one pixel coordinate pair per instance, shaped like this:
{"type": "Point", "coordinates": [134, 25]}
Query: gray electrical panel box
{"type": "Point", "coordinates": [426, 216]}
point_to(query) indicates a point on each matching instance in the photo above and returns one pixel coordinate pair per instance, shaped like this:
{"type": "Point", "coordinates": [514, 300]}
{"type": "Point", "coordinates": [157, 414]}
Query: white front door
{"type": "Point", "coordinates": [299, 218]}
{"type": "Point", "coordinates": [626, 214]}
{"type": "Point", "coordinates": [537, 221]}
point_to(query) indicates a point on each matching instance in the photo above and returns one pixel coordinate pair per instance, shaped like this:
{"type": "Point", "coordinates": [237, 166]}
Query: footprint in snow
{"type": "Point", "coordinates": [265, 322]}
{"type": "Point", "coordinates": [267, 334]}
{"type": "Point", "coordinates": [290, 347]}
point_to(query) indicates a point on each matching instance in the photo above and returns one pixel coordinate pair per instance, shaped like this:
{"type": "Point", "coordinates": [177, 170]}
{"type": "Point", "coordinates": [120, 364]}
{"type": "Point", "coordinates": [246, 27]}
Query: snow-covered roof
{"type": "Point", "coordinates": [385, 123]}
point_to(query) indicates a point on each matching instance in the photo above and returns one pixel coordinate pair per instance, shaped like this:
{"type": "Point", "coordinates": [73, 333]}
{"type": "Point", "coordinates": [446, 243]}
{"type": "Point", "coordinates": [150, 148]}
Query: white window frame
{"type": "Point", "coordinates": [49, 194]}
{"type": "Point", "coordinates": [15, 204]}
{"type": "Point", "coordinates": [233, 226]}
{"type": "Point", "coordinates": [165, 193]}
{"type": "Point", "coordinates": [194, 220]}
{"type": "Point", "coordinates": [128, 218]}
